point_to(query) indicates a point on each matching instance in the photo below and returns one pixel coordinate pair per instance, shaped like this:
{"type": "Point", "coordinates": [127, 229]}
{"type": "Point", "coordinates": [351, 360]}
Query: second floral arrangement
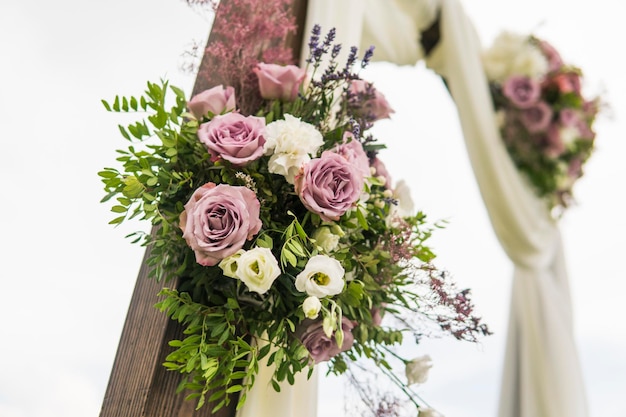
{"type": "Point", "coordinates": [545, 120]}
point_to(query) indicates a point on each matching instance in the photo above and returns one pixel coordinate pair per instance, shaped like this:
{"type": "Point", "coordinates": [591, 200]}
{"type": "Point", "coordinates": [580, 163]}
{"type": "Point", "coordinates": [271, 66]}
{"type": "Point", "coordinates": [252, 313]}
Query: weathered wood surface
{"type": "Point", "coordinates": [139, 386]}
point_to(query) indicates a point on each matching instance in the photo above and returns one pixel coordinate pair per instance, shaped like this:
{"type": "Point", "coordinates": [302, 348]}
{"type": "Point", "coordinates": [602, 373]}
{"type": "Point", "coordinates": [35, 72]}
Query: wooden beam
{"type": "Point", "coordinates": [139, 386]}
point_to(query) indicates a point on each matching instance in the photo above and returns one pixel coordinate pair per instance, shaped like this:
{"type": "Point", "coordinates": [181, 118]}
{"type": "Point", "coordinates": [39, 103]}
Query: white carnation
{"type": "Point", "coordinates": [292, 135]}
{"type": "Point", "coordinates": [290, 142]}
{"type": "Point", "coordinates": [322, 276]}
{"type": "Point", "coordinates": [257, 268]}
{"type": "Point", "coordinates": [287, 164]}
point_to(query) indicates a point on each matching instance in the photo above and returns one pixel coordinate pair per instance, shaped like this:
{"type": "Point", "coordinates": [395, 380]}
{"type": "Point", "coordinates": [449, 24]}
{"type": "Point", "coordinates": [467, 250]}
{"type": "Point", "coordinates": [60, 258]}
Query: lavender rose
{"type": "Point", "coordinates": [375, 102]}
{"type": "Point", "coordinates": [215, 100]}
{"type": "Point", "coordinates": [279, 82]}
{"type": "Point", "coordinates": [522, 91]}
{"type": "Point", "coordinates": [217, 221]}
{"type": "Point", "coordinates": [537, 117]}
{"type": "Point", "coordinates": [352, 150]}
{"type": "Point", "coordinates": [234, 137]}
{"type": "Point", "coordinates": [329, 185]}
{"type": "Point", "coordinates": [322, 347]}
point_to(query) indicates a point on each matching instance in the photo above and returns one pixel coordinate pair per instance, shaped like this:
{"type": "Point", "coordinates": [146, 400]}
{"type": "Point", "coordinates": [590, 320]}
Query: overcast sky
{"type": "Point", "coordinates": [68, 276]}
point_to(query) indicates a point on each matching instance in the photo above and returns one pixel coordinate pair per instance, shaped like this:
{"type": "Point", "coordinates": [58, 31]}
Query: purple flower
{"type": "Point", "coordinates": [279, 82]}
{"type": "Point", "coordinates": [329, 186]}
{"type": "Point", "coordinates": [233, 137]}
{"type": "Point", "coordinates": [522, 91]}
{"type": "Point", "coordinates": [217, 221]}
{"type": "Point", "coordinates": [215, 100]}
{"type": "Point", "coordinates": [322, 347]}
{"type": "Point", "coordinates": [352, 150]}
{"type": "Point", "coordinates": [537, 117]}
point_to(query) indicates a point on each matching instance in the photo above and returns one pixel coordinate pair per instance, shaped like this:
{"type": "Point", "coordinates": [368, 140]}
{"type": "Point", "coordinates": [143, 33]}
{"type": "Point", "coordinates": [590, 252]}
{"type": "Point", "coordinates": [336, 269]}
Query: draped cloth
{"type": "Point", "coordinates": [542, 375]}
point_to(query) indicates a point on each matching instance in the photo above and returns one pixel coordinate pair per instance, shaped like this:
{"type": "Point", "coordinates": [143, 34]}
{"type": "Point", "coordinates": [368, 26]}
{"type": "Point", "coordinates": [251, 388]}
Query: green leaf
{"type": "Point", "coordinates": [106, 105]}
{"type": "Point", "coordinates": [234, 388]}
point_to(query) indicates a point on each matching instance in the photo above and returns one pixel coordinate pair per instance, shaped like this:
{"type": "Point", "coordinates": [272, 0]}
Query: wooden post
{"type": "Point", "coordinates": [139, 386]}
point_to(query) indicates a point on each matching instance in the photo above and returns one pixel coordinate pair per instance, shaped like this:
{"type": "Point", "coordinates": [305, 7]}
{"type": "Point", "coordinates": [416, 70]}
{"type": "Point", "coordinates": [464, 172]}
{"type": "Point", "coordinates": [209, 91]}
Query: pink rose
{"type": "Point", "coordinates": [214, 100]}
{"type": "Point", "coordinates": [322, 347]}
{"type": "Point", "coordinates": [329, 185]}
{"type": "Point", "coordinates": [352, 150]}
{"type": "Point", "coordinates": [567, 82]}
{"type": "Point", "coordinates": [234, 137]}
{"type": "Point", "coordinates": [537, 117]}
{"type": "Point", "coordinates": [375, 102]}
{"type": "Point", "coordinates": [279, 82]}
{"type": "Point", "coordinates": [522, 91]}
{"type": "Point", "coordinates": [217, 221]}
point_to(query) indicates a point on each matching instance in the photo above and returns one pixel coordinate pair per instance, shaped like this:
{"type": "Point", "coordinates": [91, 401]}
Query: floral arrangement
{"type": "Point", "coordinates": [545, 121]}
{"type": "Point", "coordinates": [282, 228]}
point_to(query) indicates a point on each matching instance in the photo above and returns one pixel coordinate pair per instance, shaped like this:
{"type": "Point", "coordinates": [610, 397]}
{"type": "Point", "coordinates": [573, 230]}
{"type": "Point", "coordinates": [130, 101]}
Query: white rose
{"type": "Point", "coordinates": [322, 276]}
{"type": "Point", "coordinates": [311, 307]}
{"type": "Point", "coordinates": [429, 412]}
{"type": "Point", "coordinates": [417, 370]}
{"type": "Point", "coordinates": [257, 268]}
{"type": "Point", "coordinates": [229, 264]}
{"type": "Point", "coordinates": [326, 239]}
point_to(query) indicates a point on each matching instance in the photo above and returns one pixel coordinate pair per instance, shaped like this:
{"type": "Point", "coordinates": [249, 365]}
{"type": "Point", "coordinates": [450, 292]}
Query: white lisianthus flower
{"type": "Point", "coordinates": [402, 193]}
{"type": "Point", "coordinates": [326, 239]}
{"type": "Point", "coordinates": [290, 142]}
{"type": "Point", "coordinates": [229, 264]}
{"type": "Point", "coordinates": [512, 54]}
{"type": "Point", "coordinates": [257, 268]}
{"type": "Point", "coordinates": [311, 307]}
{"type": "Point", "coordinates": [322, 276]}
{"type": "Point", "coordinates": [417, 370]}
{"type": "Point", "coordinates": [429, 412]}
{"type": "Point", "coordinates": [329, 325]}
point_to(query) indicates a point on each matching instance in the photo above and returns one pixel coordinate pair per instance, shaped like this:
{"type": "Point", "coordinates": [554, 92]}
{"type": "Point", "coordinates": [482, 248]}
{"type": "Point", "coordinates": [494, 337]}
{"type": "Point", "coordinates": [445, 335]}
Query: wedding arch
{"type": "Point", "coordinates": [542, 375]}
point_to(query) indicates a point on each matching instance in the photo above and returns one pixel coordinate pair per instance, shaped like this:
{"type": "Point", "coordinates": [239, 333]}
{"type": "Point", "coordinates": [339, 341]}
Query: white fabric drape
{"type": "Point", "coordinates": [542, 375]}
{"type": "Point", "coordinates": [297, 400]}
